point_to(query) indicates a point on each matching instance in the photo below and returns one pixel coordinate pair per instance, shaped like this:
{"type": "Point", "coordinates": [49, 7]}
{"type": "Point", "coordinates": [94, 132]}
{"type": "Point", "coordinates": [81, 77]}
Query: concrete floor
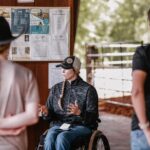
{"type": "Point", "coordinates": [117, 130]}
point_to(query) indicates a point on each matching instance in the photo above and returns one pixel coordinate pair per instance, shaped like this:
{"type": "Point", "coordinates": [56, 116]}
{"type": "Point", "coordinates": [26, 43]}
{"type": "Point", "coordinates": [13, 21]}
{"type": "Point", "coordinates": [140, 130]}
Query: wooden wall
{"type": "Point", "coordinates": [40, 69]}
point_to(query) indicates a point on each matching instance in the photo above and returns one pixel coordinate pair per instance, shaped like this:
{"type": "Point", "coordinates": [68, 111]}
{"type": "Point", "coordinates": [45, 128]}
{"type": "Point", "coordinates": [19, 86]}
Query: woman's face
{"type": "Point", "coordinates": [69, 74]}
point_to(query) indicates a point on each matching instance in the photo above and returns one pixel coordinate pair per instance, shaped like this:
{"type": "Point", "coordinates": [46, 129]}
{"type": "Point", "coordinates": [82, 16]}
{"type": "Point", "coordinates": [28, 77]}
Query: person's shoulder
{"type": "Point", "coordinates": [21, 70]}
{"type": "Point", "coordinates": [142, 50]}
{"type": "Point", "coordinates": [143, 47]}
{"type": "Point", "coordinates": [92, 87]}
{"type": "Point", "coordinates": [82, 82]}
{"type": "Point", "coordinates": [86, 84]}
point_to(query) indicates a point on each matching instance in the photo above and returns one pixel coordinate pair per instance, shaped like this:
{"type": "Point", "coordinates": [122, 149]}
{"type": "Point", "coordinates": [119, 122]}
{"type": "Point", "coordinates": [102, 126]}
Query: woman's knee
{"type": "Point", "coordinates": [62, 138]}
{"type": "Point", "coordinates": [50, 138]}
{"type": "Point", "coordinates": [62, 142]}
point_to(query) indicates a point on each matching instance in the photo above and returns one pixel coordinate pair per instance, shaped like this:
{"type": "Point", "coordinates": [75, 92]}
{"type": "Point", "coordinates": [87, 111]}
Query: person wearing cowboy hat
{"type": "Point", "coordinates": [18, 96]}
{"type": "Point", "coordinates": [72, 108]}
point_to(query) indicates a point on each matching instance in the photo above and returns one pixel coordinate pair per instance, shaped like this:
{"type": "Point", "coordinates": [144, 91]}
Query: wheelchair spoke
{"type": "Point", "coordinates": [100, 145]}
{"type": "Point", "coordinates": [98, 141]}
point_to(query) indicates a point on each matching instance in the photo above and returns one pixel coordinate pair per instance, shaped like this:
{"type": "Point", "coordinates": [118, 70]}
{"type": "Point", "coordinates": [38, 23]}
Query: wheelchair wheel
{"type": "Point", "coordinates": [98, 141]}
{"type": "Point", "coordinates": [40, 146]}
{"type": "Point", "coordinates": [81, 148]}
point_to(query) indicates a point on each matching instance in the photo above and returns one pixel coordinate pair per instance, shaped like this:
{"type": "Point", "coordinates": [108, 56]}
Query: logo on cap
{"type": "Point", "coordinates": [69, 60]}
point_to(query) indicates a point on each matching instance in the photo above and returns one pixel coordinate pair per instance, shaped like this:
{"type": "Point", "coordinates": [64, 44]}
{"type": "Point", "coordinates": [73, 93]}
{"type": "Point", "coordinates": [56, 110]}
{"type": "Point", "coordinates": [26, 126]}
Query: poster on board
{"type": "Point", "coordinates": [54, 74]}
{"type": "Point", "coordinates": [47, 36]}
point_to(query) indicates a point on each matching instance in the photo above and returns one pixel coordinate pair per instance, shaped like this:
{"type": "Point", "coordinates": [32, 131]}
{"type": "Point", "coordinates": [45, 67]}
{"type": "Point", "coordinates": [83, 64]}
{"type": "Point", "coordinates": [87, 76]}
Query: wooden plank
{"type": "Point", "coordinates": [42, 78]}
{"type": "Point", "coordinates": [41, 3]}
{"type": "Point", "coordinates": [60, 3]}
{"type": "Point", "coordinates": [7, 2]}
{"type": "Point", "coordinates": [72, 28]}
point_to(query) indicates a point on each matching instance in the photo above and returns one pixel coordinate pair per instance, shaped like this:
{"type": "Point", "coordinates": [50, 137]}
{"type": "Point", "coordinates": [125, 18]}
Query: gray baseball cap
{"type": "Point", "coordinates": [71, 62]}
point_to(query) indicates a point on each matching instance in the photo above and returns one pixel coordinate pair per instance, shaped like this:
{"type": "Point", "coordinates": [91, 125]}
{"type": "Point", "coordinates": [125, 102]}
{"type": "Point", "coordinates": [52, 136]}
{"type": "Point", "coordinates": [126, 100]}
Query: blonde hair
{"type": "Point", "coordinates": [60, 101]}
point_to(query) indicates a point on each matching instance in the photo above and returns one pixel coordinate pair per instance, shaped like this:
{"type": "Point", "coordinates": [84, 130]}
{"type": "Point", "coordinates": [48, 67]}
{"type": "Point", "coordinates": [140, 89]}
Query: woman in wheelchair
{"type": "Point", "coordinates": [72, 108]}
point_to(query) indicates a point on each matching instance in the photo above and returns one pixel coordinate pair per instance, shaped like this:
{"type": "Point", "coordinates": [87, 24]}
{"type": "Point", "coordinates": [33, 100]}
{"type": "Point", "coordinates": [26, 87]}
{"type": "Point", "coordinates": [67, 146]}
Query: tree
{"type": "Point", "coordinates": [129, 21]}
{"type": "Point", "coordinates": [97, 22]}
{"type": "Point", "coordinates": [88, 21]}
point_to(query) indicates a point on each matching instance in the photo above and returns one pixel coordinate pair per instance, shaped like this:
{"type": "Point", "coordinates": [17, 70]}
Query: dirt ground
{"type": "Point", "coordinates": [118, 105]}
{"type": "Point", "coordinates": [117, 129]}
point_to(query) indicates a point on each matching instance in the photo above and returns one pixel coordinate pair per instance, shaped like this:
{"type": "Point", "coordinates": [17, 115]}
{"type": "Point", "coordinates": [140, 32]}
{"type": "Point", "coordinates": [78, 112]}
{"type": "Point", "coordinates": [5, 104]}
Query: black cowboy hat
{"type": "Point", "coordinates": [5, 32]}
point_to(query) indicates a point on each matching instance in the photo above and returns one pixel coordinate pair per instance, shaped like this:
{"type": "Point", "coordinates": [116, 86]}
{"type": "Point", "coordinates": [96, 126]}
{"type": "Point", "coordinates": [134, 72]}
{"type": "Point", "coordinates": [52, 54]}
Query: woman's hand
{"type": "Point", "coordinates": [43, 110]}
{"type": "Point", "coordinates": [74, 109]}
{"type": "Point", "coordinates": [147, 134]}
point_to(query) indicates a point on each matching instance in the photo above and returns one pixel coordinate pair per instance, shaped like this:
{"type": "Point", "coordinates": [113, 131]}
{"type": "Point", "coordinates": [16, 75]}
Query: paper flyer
{"type": "Point", "coordinates": [47, 35]}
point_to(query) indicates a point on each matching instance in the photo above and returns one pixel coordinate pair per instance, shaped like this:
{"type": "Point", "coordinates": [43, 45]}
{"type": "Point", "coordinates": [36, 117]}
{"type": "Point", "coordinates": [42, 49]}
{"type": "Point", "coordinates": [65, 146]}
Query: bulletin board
{"type": "Point", "coordinates": [47, 35]}
{"type": "Point", "coordinates": [54, 74]}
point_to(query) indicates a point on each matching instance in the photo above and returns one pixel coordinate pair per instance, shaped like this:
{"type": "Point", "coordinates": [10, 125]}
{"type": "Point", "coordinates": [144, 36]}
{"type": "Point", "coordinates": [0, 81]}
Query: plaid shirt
{"type": "Point", "coordinates": [87, 100]}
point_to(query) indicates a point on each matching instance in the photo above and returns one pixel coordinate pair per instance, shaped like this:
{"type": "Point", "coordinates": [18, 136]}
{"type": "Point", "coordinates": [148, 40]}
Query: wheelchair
{"type": "Point", "coordinates": [97, 141]}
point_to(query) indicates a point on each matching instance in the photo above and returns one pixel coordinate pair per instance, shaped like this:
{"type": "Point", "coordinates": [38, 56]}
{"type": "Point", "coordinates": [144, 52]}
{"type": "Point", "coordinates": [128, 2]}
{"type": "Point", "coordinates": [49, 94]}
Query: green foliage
{"type": "Point", "coordinates": [97, 22]}
{"type": "Point", "coordinates": [89, 23]}
{"type": "Point", "coordinates": [129, 19]}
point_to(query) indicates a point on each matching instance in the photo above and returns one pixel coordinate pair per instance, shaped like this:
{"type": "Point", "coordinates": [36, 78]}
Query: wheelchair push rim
{"type": "Point", "coordinates": [98, 141]}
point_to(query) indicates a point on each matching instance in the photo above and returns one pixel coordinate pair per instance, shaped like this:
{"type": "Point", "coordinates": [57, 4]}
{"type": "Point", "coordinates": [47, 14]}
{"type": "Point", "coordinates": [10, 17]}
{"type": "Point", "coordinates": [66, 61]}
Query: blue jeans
{"type": "Point", "coordinates": [138, 140]}
{"type": "Point", "coordinates": [57, 139]}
